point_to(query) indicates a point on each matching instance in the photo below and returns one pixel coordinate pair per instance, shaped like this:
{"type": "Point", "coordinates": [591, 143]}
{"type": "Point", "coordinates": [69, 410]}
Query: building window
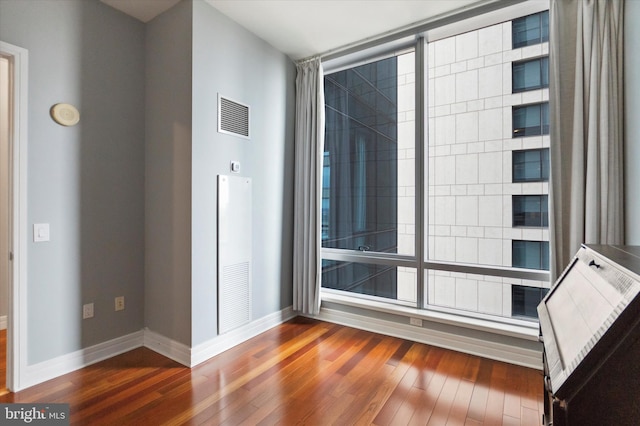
{"type": "Point", "coordinates": [531, 165]}
{"type": "Point", "coordinates": [368, 165]}
{"type": "Point", "coordinates": [531, 210]}
{"type": "Point", "coordinates": [531, 120]}
{"type": "Point", "coordinates": [530, 75]}
{"type": "Point", "coordinates": [525, 300]}
{"type": "Point", "coordinates": [530, 254]}
{"type": "Point", "coordinates": [361, 278]}
{"type": "Point", "coordinates": [532, 29]}
{"type": "Point", "coordinates": [457, 260]}
{"type": "Point", "coordinates": [361, 141]}
{"type": "Point", "coordinates": [326, 187]}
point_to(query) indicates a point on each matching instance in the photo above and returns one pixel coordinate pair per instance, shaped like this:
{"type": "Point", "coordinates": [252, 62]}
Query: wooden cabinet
{"type": "Point", "coordinates": [590, 327]}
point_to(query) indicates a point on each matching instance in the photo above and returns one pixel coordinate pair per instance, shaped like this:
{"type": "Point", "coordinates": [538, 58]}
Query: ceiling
{"type": "Point", "coordinates": [305, 28]}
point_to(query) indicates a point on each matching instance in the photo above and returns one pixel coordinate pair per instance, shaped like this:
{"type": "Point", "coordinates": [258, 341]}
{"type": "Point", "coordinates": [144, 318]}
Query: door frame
{"type": "Point", "coordinates": [17, 306]}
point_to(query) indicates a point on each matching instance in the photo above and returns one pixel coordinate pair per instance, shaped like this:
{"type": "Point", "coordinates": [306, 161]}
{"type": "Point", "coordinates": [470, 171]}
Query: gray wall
{"type": "Point", "coordinates": [87, 181]}
{"type": "Point", "coordinates": [193, 53]}
{"type": "Point", "coordinates": [632, 107]}
{"type": "Point", "coordinates": [231, 61]}
{"type": "Point", "coordinates": [130, 192]}
{"type": "Point", "coordinates": [168, 174]}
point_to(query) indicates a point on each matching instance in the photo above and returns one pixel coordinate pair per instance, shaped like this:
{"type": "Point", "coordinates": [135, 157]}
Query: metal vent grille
{"type": "Point", "coordinates": [233, 117]}
{"type": "Point", "coordinates": [235, 295]}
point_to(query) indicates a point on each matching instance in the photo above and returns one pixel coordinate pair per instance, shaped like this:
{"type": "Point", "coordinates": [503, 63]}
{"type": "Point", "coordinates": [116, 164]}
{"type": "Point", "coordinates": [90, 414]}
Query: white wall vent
{"type": "Point", "coordinates": [234, 252]}
{"type": "Point", "coordinates": [233, 117]}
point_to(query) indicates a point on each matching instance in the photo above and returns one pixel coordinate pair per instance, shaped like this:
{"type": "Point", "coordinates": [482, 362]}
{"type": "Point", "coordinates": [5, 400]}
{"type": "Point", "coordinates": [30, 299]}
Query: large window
{"type": "Point", "coordinates": [531, 165]}
{"type": "Point", "coordinates": [448, 214]}
{"type": "Point", "coordinates": [531, 254]}
{"type": "Point", "coordinates": [525, 300]}
{"type": "Point", "coordinates": [530, 74]}
{"type": "Point", "coordinates": [532, 29]}
{"type": "Point", "coordinates": [530, 210]}
{"type": "Point", "coordinates": [531, 120]}
{"type": "Point", "coordinates": [369, 163]}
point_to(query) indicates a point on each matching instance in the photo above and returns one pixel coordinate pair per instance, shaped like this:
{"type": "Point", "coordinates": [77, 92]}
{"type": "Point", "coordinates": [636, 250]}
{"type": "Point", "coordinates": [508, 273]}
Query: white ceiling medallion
{"type": "Point", "coordinates": [65, 114]}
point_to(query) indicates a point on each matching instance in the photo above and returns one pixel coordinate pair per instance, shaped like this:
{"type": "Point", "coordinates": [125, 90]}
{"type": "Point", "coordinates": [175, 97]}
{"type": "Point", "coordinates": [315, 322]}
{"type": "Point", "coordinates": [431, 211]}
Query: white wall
{"type": "Point", "coordinates": [632, 128]}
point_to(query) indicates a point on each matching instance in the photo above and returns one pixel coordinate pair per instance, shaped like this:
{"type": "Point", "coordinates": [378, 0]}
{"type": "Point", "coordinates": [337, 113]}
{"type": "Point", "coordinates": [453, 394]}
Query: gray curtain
{"type": "Point", "coordinates": [586, 125]}
{"type": "Point", "coordinates": [309, 147]}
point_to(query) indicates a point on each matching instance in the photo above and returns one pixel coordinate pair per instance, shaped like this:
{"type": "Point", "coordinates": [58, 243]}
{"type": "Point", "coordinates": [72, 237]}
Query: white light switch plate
{"type": "Point", "coordinates": [40, 232]}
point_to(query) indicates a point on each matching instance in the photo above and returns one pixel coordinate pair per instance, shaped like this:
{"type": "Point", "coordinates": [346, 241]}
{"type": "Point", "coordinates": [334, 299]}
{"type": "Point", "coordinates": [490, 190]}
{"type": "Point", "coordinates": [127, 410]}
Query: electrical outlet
{"type": "Point", "coordinates": [120, 303]}
{"type": "Point", "coordinates": [415, 321]}
{"type": "Point", "coordinates": [87, 311]}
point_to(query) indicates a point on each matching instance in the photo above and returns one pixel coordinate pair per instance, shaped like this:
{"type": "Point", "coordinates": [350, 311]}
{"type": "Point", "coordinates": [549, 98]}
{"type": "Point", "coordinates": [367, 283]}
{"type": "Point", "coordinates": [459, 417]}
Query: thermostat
{"type": "Point", "coordinates": [235, 166]}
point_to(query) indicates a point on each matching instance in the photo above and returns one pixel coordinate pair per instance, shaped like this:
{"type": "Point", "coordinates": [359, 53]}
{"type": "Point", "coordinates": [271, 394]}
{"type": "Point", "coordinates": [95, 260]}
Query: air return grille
{"type": "Point", "coordinates": [234, 252]}
{"type": "Point", "coordinates": [233, 117]}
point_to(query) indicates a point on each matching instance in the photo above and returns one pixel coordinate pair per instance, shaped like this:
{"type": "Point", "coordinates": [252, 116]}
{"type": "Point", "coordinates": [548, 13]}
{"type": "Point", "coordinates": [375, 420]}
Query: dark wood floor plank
{"type": "Point", "coordinates": [302, 372]}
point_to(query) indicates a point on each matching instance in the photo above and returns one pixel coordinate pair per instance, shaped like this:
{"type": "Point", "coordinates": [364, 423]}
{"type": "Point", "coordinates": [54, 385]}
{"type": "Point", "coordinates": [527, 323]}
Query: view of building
{"type": "Point", "coordinates": [487, 169]}
{"type": "Point", "coordinates": [488, 164]}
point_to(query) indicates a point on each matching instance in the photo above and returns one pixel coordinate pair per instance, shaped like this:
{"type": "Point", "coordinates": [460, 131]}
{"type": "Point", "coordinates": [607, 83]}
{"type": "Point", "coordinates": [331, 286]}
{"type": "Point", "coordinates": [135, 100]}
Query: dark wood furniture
{"type": "Point", "coordinates": [590, 327]}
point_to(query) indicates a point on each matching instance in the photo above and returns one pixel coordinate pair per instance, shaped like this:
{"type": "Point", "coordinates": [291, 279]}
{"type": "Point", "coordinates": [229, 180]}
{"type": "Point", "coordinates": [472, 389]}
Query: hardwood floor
{"type": "Point", "coordinates": [3, 361]}
{"type": "Point", "coordinates": [302, 372]}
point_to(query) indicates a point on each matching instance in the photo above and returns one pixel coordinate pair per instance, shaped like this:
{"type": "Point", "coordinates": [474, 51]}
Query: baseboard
{"type": "Point", "coordinates": [221, 343]}
{"type": "Point", "coordinates": [191, 357]}
{"type": "Point", "coordinates": [165, 346]}
{"type": "Point", "coordinates": [3, 322]}
{"type": "Point", "coordinates": [496, 351]}
{"type": "Point", "coordinates": [46, 370]}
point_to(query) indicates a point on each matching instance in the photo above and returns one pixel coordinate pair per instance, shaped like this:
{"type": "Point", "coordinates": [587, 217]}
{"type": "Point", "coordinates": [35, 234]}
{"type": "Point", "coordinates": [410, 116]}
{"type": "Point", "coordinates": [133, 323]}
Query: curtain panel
{"type": "Point", "coordinates": [586, 126]}
{"type": "Point", "coordinates": [309, 148]}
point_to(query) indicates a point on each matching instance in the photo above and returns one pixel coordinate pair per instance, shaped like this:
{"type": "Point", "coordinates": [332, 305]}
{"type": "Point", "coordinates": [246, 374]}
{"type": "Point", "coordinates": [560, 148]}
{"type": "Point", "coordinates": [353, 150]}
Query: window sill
{"type": "Point", "coordinates": [519, 329]}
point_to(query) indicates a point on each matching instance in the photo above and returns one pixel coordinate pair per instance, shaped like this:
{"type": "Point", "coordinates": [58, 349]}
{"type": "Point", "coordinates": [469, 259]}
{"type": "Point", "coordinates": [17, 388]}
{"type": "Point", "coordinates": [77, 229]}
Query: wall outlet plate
{"type": "Point", "coordinates": [87, 311]}
{"type": "Point", "coordinates": [120, 303]}
{"type": "Point", "coordinates": [415, 321]}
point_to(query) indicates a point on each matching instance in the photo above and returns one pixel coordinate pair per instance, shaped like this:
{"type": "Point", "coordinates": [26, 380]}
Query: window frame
{"type": "Point", "coordinates": [541, 253]}
{"type": "Point", "coordinates": [542, 291]}
{"type": "Point", "coordinates": [538, 130]}
{"type": "Point", "coordinates": [390, 45]}
{"type": "Point", "coordinates": [541, 66]}
{"type": "Point", "coordinates": [540, 39]}
{"type": "Point", "coordinates": [543, 200]}
{"type": "Point", "coordinates": [541, 162]}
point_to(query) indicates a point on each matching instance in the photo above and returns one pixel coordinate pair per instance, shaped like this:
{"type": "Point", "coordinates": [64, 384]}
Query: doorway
{"type": "Point", "coordinates": [5, 211]}
{"type": "Point", "coordinates": [13, 213]}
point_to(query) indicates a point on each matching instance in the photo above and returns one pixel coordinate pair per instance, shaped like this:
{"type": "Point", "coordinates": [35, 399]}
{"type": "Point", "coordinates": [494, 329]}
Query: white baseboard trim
{"type": "Point", "coordinates": [190, 357]}
{"type": "Point", "coordinates": [221, 343]}
{"type": "Point", "coordinates": [46, 370]}
{"type": "Point", "coordinates": [3, 322]}
{"type": "Point", "coordinates": [465, 344]}
{"type": "Point", "coordinates": [165, 346]}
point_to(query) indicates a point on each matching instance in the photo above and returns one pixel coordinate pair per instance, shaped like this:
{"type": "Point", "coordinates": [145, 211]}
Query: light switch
{"type": "Point", "coordinates": [40, 232]}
